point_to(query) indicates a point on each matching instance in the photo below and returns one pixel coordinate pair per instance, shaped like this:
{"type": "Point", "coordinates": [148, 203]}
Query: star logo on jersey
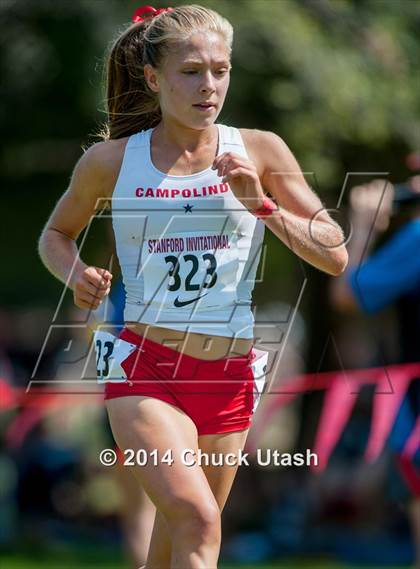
{"type": "Point", "coordinates": [188, 208]}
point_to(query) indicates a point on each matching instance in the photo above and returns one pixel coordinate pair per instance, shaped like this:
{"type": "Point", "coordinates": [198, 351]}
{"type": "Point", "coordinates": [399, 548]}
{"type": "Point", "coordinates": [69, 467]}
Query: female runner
{"type": "Point", "coordinates": [189, 210]}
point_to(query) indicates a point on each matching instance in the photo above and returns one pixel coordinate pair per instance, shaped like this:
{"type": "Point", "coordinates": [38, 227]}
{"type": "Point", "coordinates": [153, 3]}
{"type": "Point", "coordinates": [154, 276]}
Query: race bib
{"type": "Point", "coordinates": [198, 270]}
{"type": "Point", "coordinates": [110, 353]}
{"type": "Point", "coordinates": [259, 368]}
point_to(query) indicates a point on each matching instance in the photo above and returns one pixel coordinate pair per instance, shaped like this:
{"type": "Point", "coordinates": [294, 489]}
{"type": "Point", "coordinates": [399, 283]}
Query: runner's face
{"type": "Point", "coordinates": [196, 72]}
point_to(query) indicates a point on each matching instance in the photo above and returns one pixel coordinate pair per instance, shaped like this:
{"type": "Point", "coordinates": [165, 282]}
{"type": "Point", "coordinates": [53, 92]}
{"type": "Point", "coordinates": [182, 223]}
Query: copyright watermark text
{"type": "Point", "coordinates": [190, 457]}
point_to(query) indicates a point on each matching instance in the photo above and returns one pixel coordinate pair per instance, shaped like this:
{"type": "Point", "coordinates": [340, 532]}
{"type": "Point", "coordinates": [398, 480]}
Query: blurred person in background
{"type": "Point", "coordinates": [390, 276]}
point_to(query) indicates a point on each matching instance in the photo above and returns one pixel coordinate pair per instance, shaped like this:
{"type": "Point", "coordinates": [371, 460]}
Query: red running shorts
{"type": "Point", "coordinates": [219, 396]}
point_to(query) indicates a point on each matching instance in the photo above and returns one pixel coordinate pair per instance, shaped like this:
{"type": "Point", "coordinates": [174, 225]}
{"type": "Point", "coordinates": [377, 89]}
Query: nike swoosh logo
{"type": "Point", "coordinates": [181, 303]}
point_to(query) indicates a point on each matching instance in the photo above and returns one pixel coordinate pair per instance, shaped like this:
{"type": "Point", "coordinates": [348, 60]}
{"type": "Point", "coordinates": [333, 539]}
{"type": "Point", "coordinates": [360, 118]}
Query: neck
{"type": "Point", "coordinates": [184, 138]}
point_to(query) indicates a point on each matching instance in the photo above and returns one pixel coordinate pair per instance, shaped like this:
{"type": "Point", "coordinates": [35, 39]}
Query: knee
{"type": "Point", "coordinates": [194, 517]}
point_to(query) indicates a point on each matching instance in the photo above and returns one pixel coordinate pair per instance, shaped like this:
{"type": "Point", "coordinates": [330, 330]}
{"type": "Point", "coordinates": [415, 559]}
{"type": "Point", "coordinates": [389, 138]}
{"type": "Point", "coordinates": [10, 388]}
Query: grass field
{"type": "Point", "coordinates": [16, 561]}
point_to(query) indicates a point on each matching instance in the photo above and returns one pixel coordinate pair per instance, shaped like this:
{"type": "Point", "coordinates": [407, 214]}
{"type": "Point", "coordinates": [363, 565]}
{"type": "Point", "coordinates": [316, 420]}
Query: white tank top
{"type": "Point", "coordinates": [187, 247]}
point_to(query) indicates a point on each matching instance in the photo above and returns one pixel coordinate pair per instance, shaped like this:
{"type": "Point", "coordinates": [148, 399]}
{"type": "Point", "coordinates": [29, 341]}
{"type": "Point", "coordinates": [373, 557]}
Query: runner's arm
{"type": "Point", "coordinates": [91, 185]}
{"type": "Point", "coordinates": [315, 238]}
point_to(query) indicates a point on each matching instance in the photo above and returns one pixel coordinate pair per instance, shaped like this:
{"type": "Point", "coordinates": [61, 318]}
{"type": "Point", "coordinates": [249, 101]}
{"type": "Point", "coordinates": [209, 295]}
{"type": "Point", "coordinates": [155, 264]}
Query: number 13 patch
{"type": "Point", "coordinates": [110, 352]}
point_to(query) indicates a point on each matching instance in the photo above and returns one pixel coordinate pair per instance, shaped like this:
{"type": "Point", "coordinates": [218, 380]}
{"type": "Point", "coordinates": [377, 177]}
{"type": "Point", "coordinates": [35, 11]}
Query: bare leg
{"type": "Point", "coordinates": [414, 515]}
{"type": "Point", "coordinates": [137, 516]}
{"type": "Point", "coordinates": [181, 493]}
{"type": "Point", "coordinates": [220, 480]}
{"type": "Point", "coordinates": [160, 549]}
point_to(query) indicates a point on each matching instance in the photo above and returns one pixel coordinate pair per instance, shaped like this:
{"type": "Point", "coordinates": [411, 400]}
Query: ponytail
{"type": "Point", "coordinates": [131, 105]}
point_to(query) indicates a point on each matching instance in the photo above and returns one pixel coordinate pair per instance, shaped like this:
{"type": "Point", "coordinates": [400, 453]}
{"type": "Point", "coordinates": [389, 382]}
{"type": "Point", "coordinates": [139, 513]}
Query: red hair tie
{"type": "Point", "coordinates": [145, 12]}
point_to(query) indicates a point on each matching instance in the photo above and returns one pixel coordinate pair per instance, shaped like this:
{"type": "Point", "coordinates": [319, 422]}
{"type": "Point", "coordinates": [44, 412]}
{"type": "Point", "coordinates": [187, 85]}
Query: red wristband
{"type": "Point", "coordinates": [266, 209]}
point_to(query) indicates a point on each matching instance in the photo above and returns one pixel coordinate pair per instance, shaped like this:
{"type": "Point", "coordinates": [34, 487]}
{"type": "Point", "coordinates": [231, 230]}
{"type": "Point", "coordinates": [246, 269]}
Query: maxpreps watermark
{"type": "Point", "coordinates": [189, 457]}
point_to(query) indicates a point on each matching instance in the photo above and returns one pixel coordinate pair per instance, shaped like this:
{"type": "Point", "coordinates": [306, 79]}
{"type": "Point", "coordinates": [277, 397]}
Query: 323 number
{"type": "Point", "coordinates": [174, 270]}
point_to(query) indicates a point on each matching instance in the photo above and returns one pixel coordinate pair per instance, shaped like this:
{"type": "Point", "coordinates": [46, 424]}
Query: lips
{"type": "Point", "coordinates": [204, 105]}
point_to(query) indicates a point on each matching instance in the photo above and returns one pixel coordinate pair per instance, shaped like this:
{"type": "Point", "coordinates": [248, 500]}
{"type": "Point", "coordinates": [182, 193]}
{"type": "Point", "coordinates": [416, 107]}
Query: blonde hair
{"type": "Point", "coordinates": [131, 105]}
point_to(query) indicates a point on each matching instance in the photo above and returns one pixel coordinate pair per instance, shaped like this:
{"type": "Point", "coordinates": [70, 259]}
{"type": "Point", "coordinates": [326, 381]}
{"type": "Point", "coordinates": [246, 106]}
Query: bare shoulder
{"type": "Point", "coordinates": [266, 149]}
{"type": "Point", "coordinates": [100, 164]}
{"type": "Point", "coordinates": [91, 186]}
{"type": "Point", "coordinates": [107, 150]}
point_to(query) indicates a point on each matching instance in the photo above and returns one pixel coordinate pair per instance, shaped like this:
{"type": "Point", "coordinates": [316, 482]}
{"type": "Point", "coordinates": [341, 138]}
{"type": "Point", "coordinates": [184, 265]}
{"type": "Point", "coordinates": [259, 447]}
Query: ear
{"type": "Point", "coordinates": [151, 76]}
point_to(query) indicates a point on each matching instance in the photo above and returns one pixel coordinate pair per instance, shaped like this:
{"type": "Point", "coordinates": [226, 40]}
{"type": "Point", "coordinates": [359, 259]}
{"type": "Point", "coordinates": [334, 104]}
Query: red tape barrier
{"type": "Point", "coordinates": [342, 389]}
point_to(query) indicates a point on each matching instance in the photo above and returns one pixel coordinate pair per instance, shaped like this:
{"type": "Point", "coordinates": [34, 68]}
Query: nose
{"type": "Point", "coordinates": [207, 85]}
